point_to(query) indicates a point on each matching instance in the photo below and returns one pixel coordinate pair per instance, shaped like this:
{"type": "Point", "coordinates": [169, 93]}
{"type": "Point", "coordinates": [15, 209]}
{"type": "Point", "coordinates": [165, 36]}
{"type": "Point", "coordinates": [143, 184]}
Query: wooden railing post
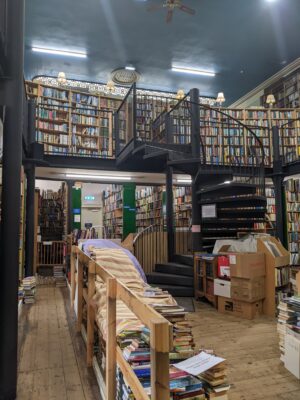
{"type": "Point", "coordinates": [73, 270]}
{"type": "Point", "coordinates": [90, 315]}
{"type": "Point", "coordinates": [111, 340]}
{"type": "Point", "coordinates": [80, 294]}
{"type": "Point", "coordinates": [160, 346]}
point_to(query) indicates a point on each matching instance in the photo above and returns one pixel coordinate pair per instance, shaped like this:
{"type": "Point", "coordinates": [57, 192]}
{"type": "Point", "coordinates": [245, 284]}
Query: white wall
{"type": "Point", "coordinates": [44, 184]}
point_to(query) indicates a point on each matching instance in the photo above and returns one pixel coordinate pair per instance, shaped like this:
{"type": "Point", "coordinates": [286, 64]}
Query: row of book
{"type": "Point", "coordinates": [282, 276]}
{"type": "Point", "coordinates": [46, 113]}
{"type": "Point", "coordinates": [53, 127]}
{"type": "Point", "coordinates": [52, 139]}
{"type": "Point", "coordinates": [54, 93]}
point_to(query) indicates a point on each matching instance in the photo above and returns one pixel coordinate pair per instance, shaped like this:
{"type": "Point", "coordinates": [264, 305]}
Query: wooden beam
{"type": "Point", "coordinates": [131, 378]}
{"type": "Point", "coordinates": [80, 294]}
{"type": "Point", "coordinates": [159, 347]}
{"type": "Point", "coordinates": [111, 340]}
{"type": "Point", "coordinates": [143, 311]}
{"type": "Point", "coordinates": [73, 271]}
{"type": "Point", "coordinates": [104, 275]}
{"type": "Point", "coordinates": [90, 316]}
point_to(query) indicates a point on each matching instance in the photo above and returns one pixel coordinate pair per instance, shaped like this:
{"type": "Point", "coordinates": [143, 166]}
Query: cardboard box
{"type": "Point", "coordinates": [239, 308]}
{"type": "Point", "coordinates": [249, 290]}
{"type": "Point", "coordinates": [222, 288]}
{"type": "Point", "coordinates": [245, 265]}
{"type": "Point", "coordinates": [292, 355]}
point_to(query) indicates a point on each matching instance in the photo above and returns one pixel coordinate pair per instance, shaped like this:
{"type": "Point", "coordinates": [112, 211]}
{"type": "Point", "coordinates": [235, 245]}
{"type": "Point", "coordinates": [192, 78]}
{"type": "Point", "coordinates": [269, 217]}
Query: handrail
{"type": "Point", "coordinates": [142, 232]}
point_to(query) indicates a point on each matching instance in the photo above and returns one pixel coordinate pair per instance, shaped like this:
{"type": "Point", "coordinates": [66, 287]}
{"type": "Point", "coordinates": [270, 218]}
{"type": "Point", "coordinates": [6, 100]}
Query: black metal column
{"type": "Point", "coordinates": [195, 123]}
{"type": "Point", "coordinates": [11, 182]}
{"type": "Point", "coordinates": [70, 185]}
{"type": "Point", "coordinates": [196, 220]}
{"type": "Point", "coordinates": [278, 185]}
{"type": "Point", "coordinates": [29, 232]}
{"type": "Point", "coordinates": [170, 213]}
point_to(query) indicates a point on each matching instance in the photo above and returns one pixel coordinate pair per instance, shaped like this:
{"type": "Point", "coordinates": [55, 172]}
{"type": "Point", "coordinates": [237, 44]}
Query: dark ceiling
{"type": "Point", "coordinates": [243, 41]}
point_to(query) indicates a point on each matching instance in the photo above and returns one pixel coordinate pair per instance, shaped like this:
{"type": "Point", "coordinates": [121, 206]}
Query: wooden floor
{"type": "Point", "coordinates": [52, 355]}
{"type": "Point", "coordinates": [251, 351]}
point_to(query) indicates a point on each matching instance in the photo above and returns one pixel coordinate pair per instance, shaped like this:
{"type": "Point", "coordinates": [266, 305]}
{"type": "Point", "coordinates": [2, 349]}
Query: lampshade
{"type": "Point", "coordinates": [110, 86]}
{"type": "Point", "coordinates": [271, 99]}
{"type": "Point", "coordinates": [180, 94]}
{"type": "Point", "coordinates": [61, 78]}
{"type": "Point", "coordinates": [220, 98]}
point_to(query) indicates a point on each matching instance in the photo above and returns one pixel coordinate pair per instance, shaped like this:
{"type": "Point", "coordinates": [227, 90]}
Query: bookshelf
{"type": "Point", "coordinates": [271, 208]}
{"type": "Point", "coordinates": [119, 211]}
{"type": "Point", "coordinates": [205, 271]}
{"type": "Point", "coordinates": [73, 122]}
{"type": "Point", "coordinates": [292, 190]}
{"type": "Point", "coordinates": [182, 205]}
{"type": "Point", "coordinates": [51, 215]}
{"type": "Point", "coordinates": [286, 91]}
{"type": "Point", "coordinates": [150, 206]}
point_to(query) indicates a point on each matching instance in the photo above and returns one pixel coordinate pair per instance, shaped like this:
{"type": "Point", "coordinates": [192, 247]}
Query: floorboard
{"type": "Point", "coordinates": [52, 354]}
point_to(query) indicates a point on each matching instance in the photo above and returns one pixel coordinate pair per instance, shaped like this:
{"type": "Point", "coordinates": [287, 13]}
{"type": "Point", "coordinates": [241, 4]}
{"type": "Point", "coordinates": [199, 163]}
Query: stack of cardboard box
{"type": "Point", "coordinates": [247, 286]}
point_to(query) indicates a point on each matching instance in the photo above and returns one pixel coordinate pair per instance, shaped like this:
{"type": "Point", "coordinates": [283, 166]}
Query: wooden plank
{"type": "Point", "coordinates": [159, 347]}
{"type": "Point", "coordinates": [80, 295]}
{"type": "Point", "coordinates": [143, 311]}
{"type": "Point", "coordinates": [73, 283]}
{"type": "Point", "coordinates": [85, 295]}
{"type": "Point", "coordinates": [90, 317]}
{"type": "Point", "coordinates": [111, 340]}
{"type": "Point", "coordinates": [131, 378]}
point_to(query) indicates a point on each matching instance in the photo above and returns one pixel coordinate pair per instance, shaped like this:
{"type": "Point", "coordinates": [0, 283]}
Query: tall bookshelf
{"type": "Point", "coordinates": [51, 215]}
{"type": "Point", "coordinates": [271, 208]}
{"type": "Point", "coordinates": [73, 122]}
{"type": "Point", "coordinates": [292, 188]}
{"type": "Point", "coordinates": [150, 206]}
{"type": "Point", "coordinates": [182, 205]}
{"type": "Point", "coordinates": [119, 211]}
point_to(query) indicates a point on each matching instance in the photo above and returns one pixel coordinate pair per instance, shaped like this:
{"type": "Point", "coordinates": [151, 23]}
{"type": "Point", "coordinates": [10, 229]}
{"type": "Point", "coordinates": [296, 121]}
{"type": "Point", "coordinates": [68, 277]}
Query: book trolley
{"type": "Point", "coordinates": [160, 330]}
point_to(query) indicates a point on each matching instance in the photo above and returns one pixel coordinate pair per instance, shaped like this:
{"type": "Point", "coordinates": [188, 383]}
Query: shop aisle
{"type": "Point", "coordinates": [252, 353]}
{"type": "Point", "coordinates": [51, 354]}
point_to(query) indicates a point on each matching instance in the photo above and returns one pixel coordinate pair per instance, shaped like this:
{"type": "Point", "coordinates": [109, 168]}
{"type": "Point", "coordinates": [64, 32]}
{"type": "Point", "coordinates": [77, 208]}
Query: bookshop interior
{"type": "Point", "coordinates": [149, 200]}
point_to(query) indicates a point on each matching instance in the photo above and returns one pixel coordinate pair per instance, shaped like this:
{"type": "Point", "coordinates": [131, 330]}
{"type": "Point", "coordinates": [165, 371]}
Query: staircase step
{"type": "Point", "coordinates": [170, 279]}
{"type": "Point", "coordinates": [183, 259]}
{"type": "Point", "coordinates": [179, 291]}
{"type": "Point", "coordinates": [175, 269]}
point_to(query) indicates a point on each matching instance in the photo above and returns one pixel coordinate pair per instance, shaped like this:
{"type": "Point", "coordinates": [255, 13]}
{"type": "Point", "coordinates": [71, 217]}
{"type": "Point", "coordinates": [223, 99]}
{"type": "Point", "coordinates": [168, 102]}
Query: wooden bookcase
{"type": "Point", "coordinates": [292, 187]}
{"type": "Point", "coordinates": [150, 206]}
{"type": "Point", "coordinates": [119, 211]}
{"type": "Point", "coordinates": [277, 267]}
{"type": "Point", "coordinates": [205, 271]}
{"type": "Point", "coordinates": [73, 122]}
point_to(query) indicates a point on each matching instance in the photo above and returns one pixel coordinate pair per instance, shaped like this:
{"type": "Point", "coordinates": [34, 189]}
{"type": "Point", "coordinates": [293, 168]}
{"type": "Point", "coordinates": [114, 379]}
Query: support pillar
{"type": "Point", "coordinates": [11, 186]}
{"type": "Point", "coordinates": [29, 235]}
{"type": "Point", "coordinates": [196, 220]}
{"type": "Point", "coordinates": [170, 213]}
{"type": "Point", "coordinates": [278, 186]}
{"type": "Point", "coordinates": [70, 185]}
{"type": "Point", "coordinates": [195, 123]}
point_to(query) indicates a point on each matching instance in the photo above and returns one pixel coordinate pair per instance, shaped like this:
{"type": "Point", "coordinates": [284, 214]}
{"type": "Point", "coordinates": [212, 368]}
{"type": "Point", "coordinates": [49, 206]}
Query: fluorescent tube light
{"type": "Point", "coordinates": [100, 177]}
{"type": "Point", "coordinates": [227, 182]}
{"type": "Point", "coordinates": [193, 71]}
{"type": "Point", "coordinates": [184, 180]}
{"type": "Point", "coordinates": [130, 68]}
{"type": "Point", "coordinates": [79, 54]}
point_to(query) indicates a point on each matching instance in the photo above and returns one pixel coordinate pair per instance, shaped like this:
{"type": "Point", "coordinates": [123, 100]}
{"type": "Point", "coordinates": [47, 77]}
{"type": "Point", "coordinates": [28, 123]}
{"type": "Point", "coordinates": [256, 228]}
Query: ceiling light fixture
{"type": "Point", "coordinates": [180, 94]}
{"type": "Point", "coordinates": [192, 71]}
{"type": "Point", "coordinates": [130, 68]}
{"type": "Point", "coordinates": [227, 182]}
{"type": "Point", "coordinates": [182, 180]}
{"type": "Point", "coordinates": [61, 78]}
{"type": "Point", "coordinates": [100, 177]}
{"type": "Point", "coordinates": [78, 54]}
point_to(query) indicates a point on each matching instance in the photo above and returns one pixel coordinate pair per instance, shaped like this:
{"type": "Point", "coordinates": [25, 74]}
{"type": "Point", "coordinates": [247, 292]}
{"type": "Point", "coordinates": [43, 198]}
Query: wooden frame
{"type": "Point", "coordinates": [161, 333]}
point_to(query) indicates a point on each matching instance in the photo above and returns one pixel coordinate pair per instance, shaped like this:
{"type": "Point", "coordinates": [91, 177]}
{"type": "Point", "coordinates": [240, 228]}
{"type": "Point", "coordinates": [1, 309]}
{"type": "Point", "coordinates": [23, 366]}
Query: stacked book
{"type": "Point", "coordinates": [59, 276]}
{"type": "Point", "coordinates": [288, 320]}
{"type": "Point", "coordinates": [29, 285]}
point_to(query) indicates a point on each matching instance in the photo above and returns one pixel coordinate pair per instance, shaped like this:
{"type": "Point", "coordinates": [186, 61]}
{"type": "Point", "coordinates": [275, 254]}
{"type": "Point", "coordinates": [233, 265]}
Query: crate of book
{"type": "Point", "coordinates": [249, 290]}
{"type": "Point", "coordinates": [59, 276]}
{"type": "Point", "coordinates": [239, 308]}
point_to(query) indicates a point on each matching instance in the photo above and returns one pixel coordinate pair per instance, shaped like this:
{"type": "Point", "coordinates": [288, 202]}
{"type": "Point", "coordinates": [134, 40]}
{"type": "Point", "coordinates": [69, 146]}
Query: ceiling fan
{"type": "Point", "coordinates": [171, 5]}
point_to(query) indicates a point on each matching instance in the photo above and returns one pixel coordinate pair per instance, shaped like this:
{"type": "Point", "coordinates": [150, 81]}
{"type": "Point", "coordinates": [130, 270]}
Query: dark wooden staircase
{"type": "Point", "coordinates": [177, 277]}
